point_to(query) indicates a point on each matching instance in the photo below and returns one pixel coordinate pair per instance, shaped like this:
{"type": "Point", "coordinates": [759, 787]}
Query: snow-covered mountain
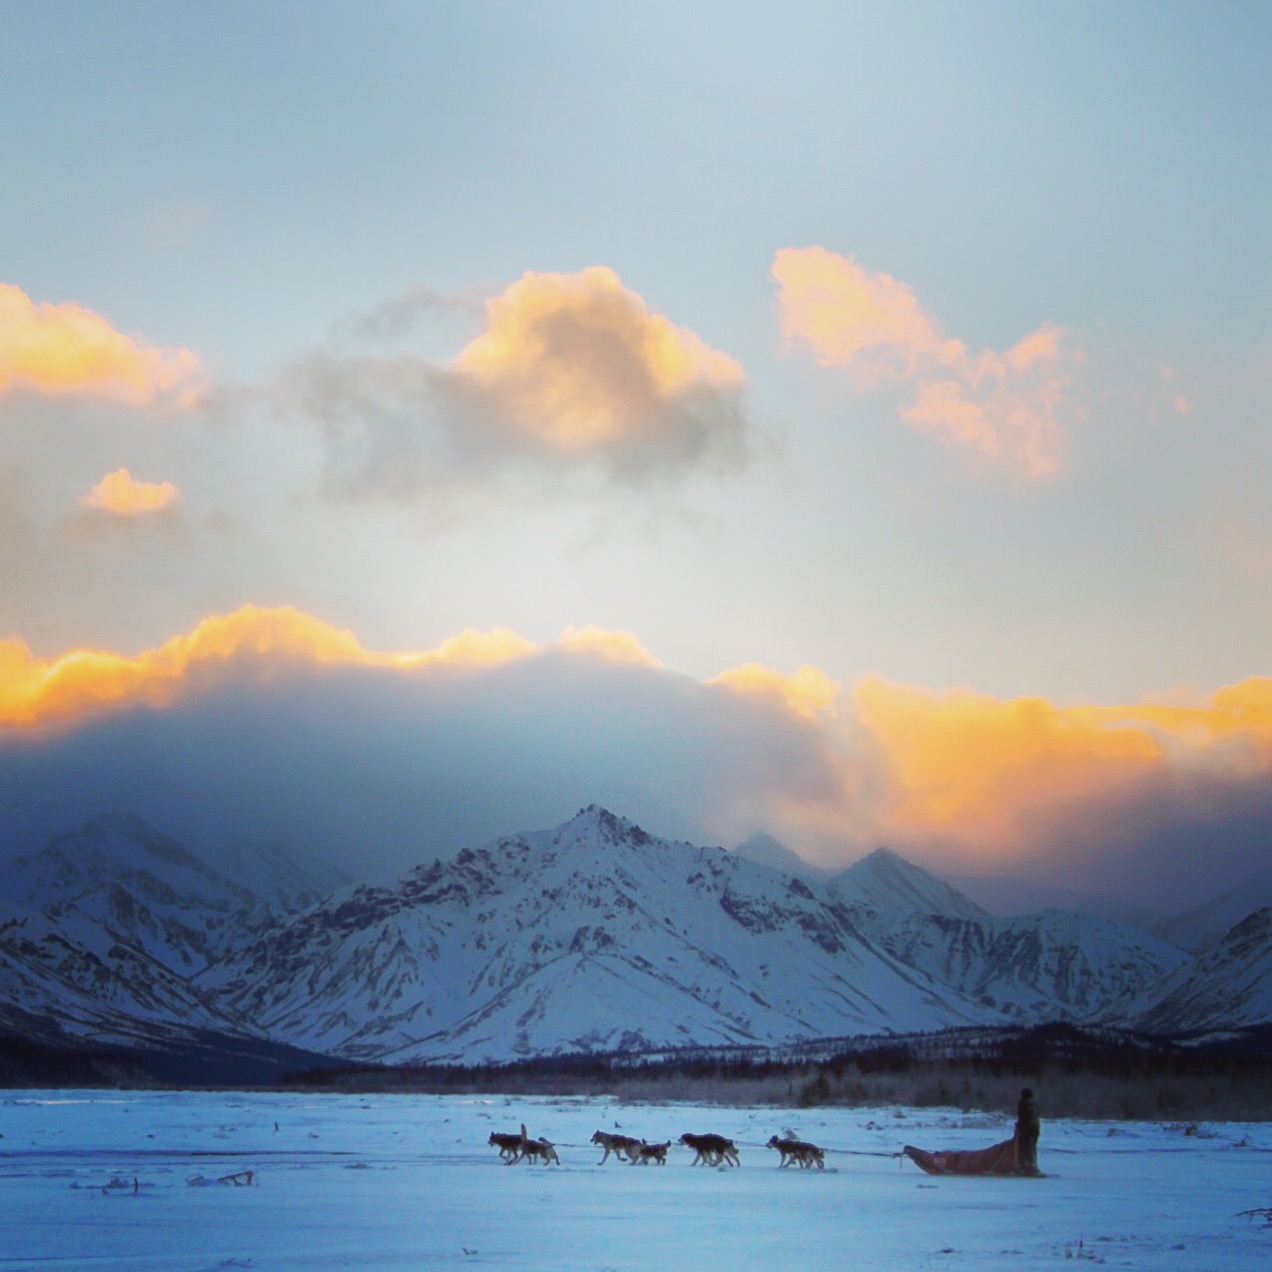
{"type": "Point", "coordinates": [119, 874]}
{"type": "Point", "coordinates": [1228, 986]}
{"type": "Point", "coordinates": [1198, 928]}
{"type": "Point", "coordinates": [92, 983]}
{"type": "Point", "coordinates": [764, 850]}
{"type": "Point", "coordinates": [103, 929]}
{"type": "Point", "coordinates": [1056, 965]}
{"type": "Point", "coordinates": [594, 935]}
{"type": "Point", "coordinates": [1053, 965]}
{"type": "Point", "coordinates": [884, 884]}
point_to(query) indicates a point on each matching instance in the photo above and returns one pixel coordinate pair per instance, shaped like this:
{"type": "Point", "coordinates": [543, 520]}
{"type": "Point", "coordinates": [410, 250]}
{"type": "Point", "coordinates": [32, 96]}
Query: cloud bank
{"type": "Point", "coordinates": [63, 349]}
{"type": "Point", "coordinates": [573, 374]}
{"type": "Point", "coordinates": [273, 724]}
{"type": "Point", "coordinates": [1000, 410]}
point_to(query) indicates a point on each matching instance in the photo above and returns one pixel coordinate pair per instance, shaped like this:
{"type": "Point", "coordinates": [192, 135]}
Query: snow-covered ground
{"type": "Point", "coordinates": [104, 1180]}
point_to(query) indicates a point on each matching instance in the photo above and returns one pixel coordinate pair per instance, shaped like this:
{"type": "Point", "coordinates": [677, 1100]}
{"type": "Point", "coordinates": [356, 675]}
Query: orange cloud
{"type": "Point", "coordinates": [251, 643]}
{"type": "Point", "coordinates": [850, 317]}
{"type": "Point", "coordinates": [66, 348]}
{"type": "Point", "coordinates": [499, 645]}
{"type": "Point", "coordinates": [579, 362]}
{"type": "Point", "coordinates": [122, 495]}
{"type": "Point", "coordinates": [957, 773]}
{"type": "Point", "coordinates": [84, 682]}
{"type": "Point", "coordinates": [616, 647]}
{"type": "Point", "coordinates": [808, 692]}
{"type": "Point", "coordinates": [995, 408]}
{"type": "Point", "coordinates": [983, 771]}
{"type": "Point", "coordinates": [573, 378]}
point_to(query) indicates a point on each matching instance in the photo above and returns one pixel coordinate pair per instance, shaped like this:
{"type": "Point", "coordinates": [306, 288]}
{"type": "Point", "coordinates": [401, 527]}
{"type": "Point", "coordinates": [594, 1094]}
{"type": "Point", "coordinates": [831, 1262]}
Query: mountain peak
{"type": "Point", "coordinates": [885, 880]}
{"type": "Point", "coordinates": [597, 822]}
{"type": "Point", "coordinates": [109, 847]}
{"type": "Point", "coordinates": [764, 850]}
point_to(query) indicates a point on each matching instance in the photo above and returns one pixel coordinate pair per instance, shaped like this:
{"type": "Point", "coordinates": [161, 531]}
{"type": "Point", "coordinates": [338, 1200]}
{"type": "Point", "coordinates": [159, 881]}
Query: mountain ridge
{"type": "Point", "coordinates": [593, 935]}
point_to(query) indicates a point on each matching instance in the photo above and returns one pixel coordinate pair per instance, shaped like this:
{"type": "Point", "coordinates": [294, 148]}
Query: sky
{"type": "Point", "coordinates": [842, 422]}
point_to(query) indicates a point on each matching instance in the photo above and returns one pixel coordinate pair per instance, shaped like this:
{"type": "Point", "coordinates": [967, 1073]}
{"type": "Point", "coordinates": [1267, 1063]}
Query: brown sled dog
{"type": "Point", "coordinates": [509, 1146]}
{"type": "Point", "coordinates": [711, 1150]}
{"type": "Point", "coordinates": [541, 1150]}
{"type": "Point", "coordinates": [795, 1150]}
{"type": "Point", "coordinates": [622, 1146]}
{"type": "Point", "coordinates": [646, 1153]}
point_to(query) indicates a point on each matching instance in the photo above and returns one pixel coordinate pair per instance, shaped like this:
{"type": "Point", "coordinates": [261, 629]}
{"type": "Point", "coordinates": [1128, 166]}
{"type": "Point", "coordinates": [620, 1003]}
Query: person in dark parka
{"type": "Point", "coordinates": [1028, 1127]}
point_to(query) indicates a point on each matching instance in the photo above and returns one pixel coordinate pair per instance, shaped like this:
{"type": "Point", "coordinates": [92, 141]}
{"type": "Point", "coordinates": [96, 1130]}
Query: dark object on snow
{"type": "Point", "coordinates": [999, 1159]}
{"type": "Point", "coordinates": [1028, 1127]}
{"type": "Point", "coordinates": [1016, 1156]}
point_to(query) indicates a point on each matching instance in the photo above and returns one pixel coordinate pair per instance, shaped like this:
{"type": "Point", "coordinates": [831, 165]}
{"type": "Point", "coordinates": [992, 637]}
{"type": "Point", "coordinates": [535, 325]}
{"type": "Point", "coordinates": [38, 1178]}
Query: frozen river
{"type": "Point", "coordinates": [104, 1180]}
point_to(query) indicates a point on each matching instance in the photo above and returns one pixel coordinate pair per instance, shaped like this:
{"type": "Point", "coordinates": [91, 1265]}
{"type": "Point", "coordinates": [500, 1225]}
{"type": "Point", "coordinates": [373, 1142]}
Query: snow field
{"type": "Point", "coordinates": [410, 1182]}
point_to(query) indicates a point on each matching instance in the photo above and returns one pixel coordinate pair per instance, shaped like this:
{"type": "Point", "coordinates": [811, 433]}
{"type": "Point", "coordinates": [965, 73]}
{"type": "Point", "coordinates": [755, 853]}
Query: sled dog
{"type": "Point", "coordinates": [711, 1150]}
{"type": "Point", "coordinates": [795, 1150]}
{"type": "Point", "coordinates": [509, 1146]}
{"type": "Point", "coordinates": [646, 1153]}
{"type": "Point", "coordinates": [622, 1146]}
{"type": "Point", "coordinates": [541, 1150]}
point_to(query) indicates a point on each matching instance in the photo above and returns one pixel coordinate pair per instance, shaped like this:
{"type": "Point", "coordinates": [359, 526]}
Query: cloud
{"type": "Point", "coordinates": [573, 376]}
{"type": "Point", "coordinates": [620, 647]}
{"type": "Point", "coordinates": [579, 365]}
{"type": "Point", "coordinates": [252, 645]}
{"type": "Point", "coordinates": [400, 315]}
{"type": "Point", "coordinates": [268, 723]}
{"type": "Point", "coordinates": [1142, 797]}
{"type": "Point", "coordinates": [122, 495]}
{"type": "Point", "coordinates": [65, 349]}
{"type": "Point", "coordinates": [1002, 410]}
{"type": "Point", "coordinates": [808, 692]}
{"type": "Point", "coordinates": [271, 724]}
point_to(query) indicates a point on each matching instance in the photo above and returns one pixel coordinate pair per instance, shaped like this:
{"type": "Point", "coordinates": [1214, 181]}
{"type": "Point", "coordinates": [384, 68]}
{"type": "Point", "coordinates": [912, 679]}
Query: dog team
{"type": "Point", "coordinates": [708, 1150]}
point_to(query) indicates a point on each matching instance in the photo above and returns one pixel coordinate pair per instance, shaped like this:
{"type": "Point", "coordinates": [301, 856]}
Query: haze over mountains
{"type": "Point", "coordinates": [590, 936]}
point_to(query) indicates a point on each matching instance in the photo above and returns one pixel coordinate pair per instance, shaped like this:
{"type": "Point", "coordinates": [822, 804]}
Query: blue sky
{"type": "Point", "coordinates": [318, 202]}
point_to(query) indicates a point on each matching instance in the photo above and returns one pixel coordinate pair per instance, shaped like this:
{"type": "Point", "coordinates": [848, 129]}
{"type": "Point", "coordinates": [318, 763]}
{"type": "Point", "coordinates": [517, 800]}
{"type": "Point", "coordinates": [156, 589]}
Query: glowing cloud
{"type": "Point", "coordinates": [957, 779]}
{"type": "Point", "coordinates": [809, 692]}
{"type": "Point", "coordinates": [252, 644]}
{"type": "Point", "coordinates": [61, 349]}
{"type": "Point", "coordinates": [851, 317]}
{"type": "Point", "coordinates": [617, 647]}
{"type": "Point", "coordinates": [499, 645]}
{"type": "Point", "coordinates": [995, 408]}
{"type": "Point", "coordinates": [992, 774]}
{"type": "Point", "coordinates": [573, 373]}
{"type": "Point", "coordinates": [579, 363]}
{"type": "Point", "coordinates": [82, 683]}
{"type": "Point", "coordinates": [122, 495]}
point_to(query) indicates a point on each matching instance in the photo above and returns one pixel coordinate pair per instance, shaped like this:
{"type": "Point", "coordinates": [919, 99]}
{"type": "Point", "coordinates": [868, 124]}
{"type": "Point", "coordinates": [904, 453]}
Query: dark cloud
{"type": "Point", "coordinates": [1170, 842]}
{"type": "Point", "coordinates": [378, 769]}
{"type": "Point", "coordinates": [282, 728]}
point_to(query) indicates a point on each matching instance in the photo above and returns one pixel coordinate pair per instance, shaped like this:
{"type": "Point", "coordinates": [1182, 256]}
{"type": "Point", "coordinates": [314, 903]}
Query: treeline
{"type": "Point", "coordinates": [1077, 1073]}
{"type": "Point", "coordinates": [25, 1063]}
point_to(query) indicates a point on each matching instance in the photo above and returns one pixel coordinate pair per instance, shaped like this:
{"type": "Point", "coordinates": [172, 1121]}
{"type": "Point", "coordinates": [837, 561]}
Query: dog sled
{"type": "Point", "coordinates": [998, 1159]}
